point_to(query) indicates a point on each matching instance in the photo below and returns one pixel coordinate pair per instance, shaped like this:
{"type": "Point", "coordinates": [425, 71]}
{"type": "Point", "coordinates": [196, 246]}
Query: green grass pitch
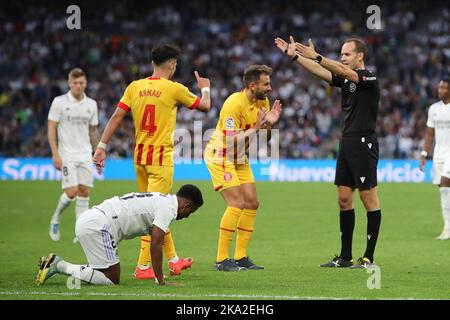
{"type": "Point", "coordinates": [297, 228]}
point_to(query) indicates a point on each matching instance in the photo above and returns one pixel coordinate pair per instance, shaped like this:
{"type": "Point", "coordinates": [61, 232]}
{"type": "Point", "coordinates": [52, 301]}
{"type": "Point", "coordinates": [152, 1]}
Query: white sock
{"type": "Point", "coordinates": [63, 202]}
{"type": "Point", "coordinates": [445, 205]}
{"type": "Point", "coordinates": [81, 206]}
{"type": "Point", "coordinates": [174, 259]}
{"type": "Point", "coordinates": [83, 273]}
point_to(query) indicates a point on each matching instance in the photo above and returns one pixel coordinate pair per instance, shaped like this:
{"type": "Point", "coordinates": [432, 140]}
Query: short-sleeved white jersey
{"type": "Point", "coordinates": [74, 118]}
{"type": "Point", "coordinates": [439, 119]}
{"type": "Point", "coordinates": [134, 214]}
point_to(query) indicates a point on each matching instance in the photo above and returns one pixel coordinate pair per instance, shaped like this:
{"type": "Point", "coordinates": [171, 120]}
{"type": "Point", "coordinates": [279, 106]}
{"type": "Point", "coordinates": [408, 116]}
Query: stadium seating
{"type": "Point", "coordinates": [220, 39]}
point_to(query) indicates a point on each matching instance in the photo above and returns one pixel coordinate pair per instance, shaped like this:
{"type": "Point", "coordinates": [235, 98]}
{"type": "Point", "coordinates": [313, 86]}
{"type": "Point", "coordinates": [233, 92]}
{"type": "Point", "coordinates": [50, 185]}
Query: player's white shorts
{"type": "Point", "coordinates": [93, 230]}
{"type": "Point", "coordinates": [74, 173]}
{"type": "Point", "coordinates": [441, 169]}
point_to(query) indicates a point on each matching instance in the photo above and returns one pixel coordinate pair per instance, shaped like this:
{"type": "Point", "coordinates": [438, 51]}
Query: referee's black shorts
{"type": "Point", "coordinates": [357, 162]}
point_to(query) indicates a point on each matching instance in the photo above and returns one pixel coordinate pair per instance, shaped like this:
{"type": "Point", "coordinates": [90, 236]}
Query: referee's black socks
{"type": "Point", "coordinates": [373, 227]}
{"type": "Point", "coordinates": [347, 224]}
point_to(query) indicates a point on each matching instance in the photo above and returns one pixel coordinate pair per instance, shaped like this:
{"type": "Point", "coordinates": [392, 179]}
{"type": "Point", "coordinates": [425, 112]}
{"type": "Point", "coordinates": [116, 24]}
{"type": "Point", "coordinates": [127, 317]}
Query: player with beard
{"type": "Point", "coordinates": [242, 115]}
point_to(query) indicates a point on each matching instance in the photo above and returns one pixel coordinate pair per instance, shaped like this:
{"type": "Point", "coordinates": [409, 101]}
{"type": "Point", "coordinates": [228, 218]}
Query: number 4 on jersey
{"type": "Point", "coordinates": [148, 120]}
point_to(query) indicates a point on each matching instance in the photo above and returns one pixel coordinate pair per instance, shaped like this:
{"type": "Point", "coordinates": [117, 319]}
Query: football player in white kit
{"type": "Point", "coordinates": [439, 129]}
{"type": "Point", "coordinates": [102, 227]}
{"type": "Point", "coordinates": [72, 130]}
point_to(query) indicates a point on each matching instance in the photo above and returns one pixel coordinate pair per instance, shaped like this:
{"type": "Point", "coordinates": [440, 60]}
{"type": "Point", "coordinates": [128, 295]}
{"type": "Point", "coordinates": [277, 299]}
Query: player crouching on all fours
{"type": "Point", "coordinates": [118, 218]}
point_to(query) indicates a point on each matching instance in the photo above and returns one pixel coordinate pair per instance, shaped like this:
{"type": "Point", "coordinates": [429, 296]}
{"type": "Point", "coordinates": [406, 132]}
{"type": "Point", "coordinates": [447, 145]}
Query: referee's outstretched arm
{"type": "Point", "coordinates": [310, 65]}
{"type": "Point", "coordinates": [335, 67]}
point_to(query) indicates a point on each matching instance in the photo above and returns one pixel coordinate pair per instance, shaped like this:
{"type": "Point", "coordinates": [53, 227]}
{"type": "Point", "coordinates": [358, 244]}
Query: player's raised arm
{"type": "Point", "coordinates": [204, 85]}
{"type": "Point", "coordinates": [310, 65]}
{"type": "Point", "coordinates": [335, 67]}
{"type": "Point", "coordinates": [113, 123]}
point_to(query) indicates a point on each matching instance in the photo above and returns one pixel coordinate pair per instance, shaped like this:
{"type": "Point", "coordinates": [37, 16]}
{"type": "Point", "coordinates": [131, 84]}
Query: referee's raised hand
{"type": "Point", "coordinates": [306, 51]}
{"type": "Point", "coordinates": [287, 48]}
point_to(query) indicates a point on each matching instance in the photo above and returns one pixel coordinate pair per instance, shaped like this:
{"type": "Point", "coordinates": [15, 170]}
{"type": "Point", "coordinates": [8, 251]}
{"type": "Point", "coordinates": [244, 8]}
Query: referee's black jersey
{"type": "Point", "coordinates": [359, 103]}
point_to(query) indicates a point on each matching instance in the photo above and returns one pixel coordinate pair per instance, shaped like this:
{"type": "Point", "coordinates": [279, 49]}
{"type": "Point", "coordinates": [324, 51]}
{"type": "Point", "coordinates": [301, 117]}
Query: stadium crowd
{"type": "Point", "coordinates": [219, 39]}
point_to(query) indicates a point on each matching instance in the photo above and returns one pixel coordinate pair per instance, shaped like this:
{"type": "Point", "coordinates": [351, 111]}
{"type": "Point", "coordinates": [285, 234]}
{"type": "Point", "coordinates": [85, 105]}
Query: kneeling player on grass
{"type": "Point", "coordinates": [118, 218]}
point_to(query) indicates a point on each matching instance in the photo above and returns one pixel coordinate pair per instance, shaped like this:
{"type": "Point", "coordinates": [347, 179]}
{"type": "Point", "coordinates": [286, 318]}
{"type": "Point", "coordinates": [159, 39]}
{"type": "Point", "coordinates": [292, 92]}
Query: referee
{"type": "Point", "coordinates": [357, 161]}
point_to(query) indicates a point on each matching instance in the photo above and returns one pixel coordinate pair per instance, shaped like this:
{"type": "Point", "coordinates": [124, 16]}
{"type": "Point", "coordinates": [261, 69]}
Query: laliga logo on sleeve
{"type": "Point", "coordinates": [352, 87]}
{"type": "Point", "coordinates": [229, 123]}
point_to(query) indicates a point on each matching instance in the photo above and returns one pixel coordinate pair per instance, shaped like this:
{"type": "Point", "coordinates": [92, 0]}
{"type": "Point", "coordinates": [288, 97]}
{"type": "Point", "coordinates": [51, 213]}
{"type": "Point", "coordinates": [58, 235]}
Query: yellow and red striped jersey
{"type": "Point", "coordinates": [238, 113]}
{"type": "Point", "coordinates": [153, 104]}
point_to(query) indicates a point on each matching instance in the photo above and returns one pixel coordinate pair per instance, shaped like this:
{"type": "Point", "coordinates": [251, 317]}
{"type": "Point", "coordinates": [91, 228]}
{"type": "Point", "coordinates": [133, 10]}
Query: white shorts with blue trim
{"type": "Point", "coordinates": [93, 230]}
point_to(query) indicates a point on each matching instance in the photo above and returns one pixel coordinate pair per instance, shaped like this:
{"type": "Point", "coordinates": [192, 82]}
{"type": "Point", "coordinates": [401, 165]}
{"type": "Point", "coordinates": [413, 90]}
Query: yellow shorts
{"type": "Point", "coordinates": [226, 174]}
{"type": "Point", "coordinates": [154, 178]}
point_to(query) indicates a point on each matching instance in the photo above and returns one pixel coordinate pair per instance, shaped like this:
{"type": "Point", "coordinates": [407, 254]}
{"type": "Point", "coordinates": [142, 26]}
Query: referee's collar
{"type": "Point", "coordinates": [72, 98]}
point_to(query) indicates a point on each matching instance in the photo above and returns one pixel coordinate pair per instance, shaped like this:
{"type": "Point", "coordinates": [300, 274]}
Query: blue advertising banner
{"type": "Point", "coordinates": [282, 170]}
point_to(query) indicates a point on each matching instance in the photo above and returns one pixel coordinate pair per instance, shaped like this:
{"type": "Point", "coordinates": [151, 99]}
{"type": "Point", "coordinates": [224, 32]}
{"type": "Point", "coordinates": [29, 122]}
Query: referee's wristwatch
{"type": "Point", "coordinates": [318, 59]}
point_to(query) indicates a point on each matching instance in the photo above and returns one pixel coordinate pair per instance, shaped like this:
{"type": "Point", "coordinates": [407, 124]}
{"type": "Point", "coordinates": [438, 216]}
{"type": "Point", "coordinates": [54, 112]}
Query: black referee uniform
{"type": "Point", "coordinates": [357, 161]}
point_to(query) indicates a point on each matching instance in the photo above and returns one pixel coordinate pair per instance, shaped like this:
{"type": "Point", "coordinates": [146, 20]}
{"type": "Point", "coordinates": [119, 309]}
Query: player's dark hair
{"type": "Point", "coordinates": [254, 72]}
{"type": "Point", "coordinates": [191, 193]}
{"type": "Point", "coordinates": [360, 46]}
{"type": "Point", "coordinates": [163, 52]}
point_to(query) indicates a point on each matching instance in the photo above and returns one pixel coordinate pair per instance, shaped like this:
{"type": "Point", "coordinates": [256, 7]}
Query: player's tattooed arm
{"type": "Point", "coordinates": [114, 122]}
{"type": "Point", "coordinates": [94, 136]}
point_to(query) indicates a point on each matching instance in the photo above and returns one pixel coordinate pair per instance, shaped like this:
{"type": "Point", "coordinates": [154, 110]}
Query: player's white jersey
{"type": "Point", "coordinates": [74, 118]}
{"type": "Point", "coordinates": [439, 119]}
{"type": "Point", "coordinates": [134, 214]}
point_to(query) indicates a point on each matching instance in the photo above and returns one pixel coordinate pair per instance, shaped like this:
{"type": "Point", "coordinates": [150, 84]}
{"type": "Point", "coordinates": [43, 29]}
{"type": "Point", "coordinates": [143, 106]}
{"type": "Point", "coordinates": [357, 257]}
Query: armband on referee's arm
{"type": "Point", "coordinates": [101, 145]}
